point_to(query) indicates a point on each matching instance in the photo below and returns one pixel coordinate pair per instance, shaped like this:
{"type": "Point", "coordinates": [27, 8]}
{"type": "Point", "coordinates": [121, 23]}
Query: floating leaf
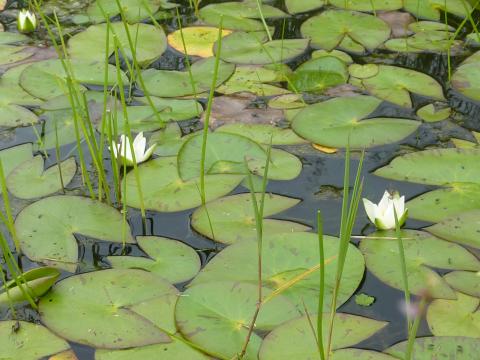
{"type": "Point", "coordinates": [12, 116]}
{"type": "Point", "coordinates": [232, 218]}
{"type": "Point", "coordinates": [368, 5]}
{"type": "Point", "coordinates": [430, 9]}
{"type": "Point", "coordinates": [347, 29]}
{"type": "Point", "coordinates": [466, 282]}
{"type": "Point", "coordinates": [360, 354]}
{"type": "Point", "coordinates": [363, 71]}
{"type": "Point", "coordinates": [179, 82]}
{"type": "Point", "coordinates": [253, 48]}
{"type": "Point", "coordinates": [14, 156]}
{"type": "Point", "coordinates": [8, 37]}
{"type": "Point", "coordinates": [466, 79]}
{"type": "Point", "coordinates": [283, 165]}
{"type": "Point", "coordinates": [29, 180]}
{"type": "Point", "coordinates": [428, 167]}
{"type": "Point", "coordinates": [460, 228]}
{"type": "Point", "coordinates": [118, 317]}
{"type": "Point", "coordinates": [198, 40]}
{"type": "Point", "coordinates": [364, 300]}
{"type": "Point", "coordinates": [295, 6]}
{"type": "Point", "coordinates": [288, 101]}
{"type": "Point", "coordinates": [458, 317]}
{"type": "Point", "coordinates": [46, 229]}
{"type": "Point", "coordinates": [169, 140]}
{"type": "Point", "coordinates": [223, 310]}
{"type": "Point", "coordinates": [422, 251]}
{"type": "Point", "coordinates": [11, 54]}
{"type": "Point", "coordinates": [290, 268]}
{"type": "Point", "coordinates": [29, 342]}
{"type": "Point", "coordinates": [35, 283]}
{"type": "Point", "coordinates": [150, 43]}
{"type": "Point", "coordinates": [262, 133]}
{"type": "Point", "coordinates": [164, 190]}
{"type": "Point", "coordinates": [335, 123]}
{"type": "Point", "coordinates": [295, 339]}
{"type": "Point", "coordinates": [437, 205]}
{"type": "Point", "coordinates": [170, 259]}
{"type": "Point", "coordinates": [430, 113]}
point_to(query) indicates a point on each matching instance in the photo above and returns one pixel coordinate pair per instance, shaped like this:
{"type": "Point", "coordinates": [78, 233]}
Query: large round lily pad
{"type": "Point", "coordinates": [12, 116]}
{"type": "Point", "coordinates": [29, 342]}
{"type": "Point", "coordinates": [46, 229]}
{"type": "Point", "coordinates": [429, 167]}
{"type": "Point", "coordinates": [296, 340]}
{"type": "Point", "coordinates": [172, 83]}
{"type": "Point", "coordinates": [338, 122]}
{"type": "Point", "coordinates": [368, 5]}
{"type": "Point", "coordinates": [334, 28]}
{"type": "Point", "coordinates": [232, 218]}
{"type": "Point", "coordinates": [14, 156]}
{"type": "Point", "coordinates": [164, 190]}
{"type": "Point", "coordinates": [170, 259]}
{"type": "Point", "coordinates": [254, 48]}
{"type": "Point", "coordinates": [422, 252]}
{"type": "Point", "coordinates": [30, 180]}
{"type": "Point", "coordinates": [295, 6]}
{"type": "Point", "coordinates": [198, 40]}
{"type": "Point", "coordinates": [216, 316]}
{"type": "Point", "coordinates": [466, 80]}
{"type": "Point", "coordinates": [466, 282]}
{"type": "Point", "coordinates": [286, 257]}
{"type": "Point", "coordinates": [461, 228]}
{"type": "Point", "coordinates": [112, 309]}
{"type": "Point", "coordinates": [439, 347]}
{"type": "Point", "coordinates": [150, 42]}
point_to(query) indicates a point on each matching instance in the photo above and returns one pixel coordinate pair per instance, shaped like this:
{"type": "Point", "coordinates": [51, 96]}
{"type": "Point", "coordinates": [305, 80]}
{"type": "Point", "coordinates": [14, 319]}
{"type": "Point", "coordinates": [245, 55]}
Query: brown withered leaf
{"type": "Point", "coordinates": [398, 22]}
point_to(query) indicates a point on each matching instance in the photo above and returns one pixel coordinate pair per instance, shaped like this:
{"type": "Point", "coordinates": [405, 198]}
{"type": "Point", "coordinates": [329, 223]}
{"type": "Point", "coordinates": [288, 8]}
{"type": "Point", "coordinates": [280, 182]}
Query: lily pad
{"type": "Point", "coordinates": [466, 282]}
{"type": "Point", "coordinates": [263, 133]}
{"type": "Point", "coordinates": [223, 310]}
{"type": "Point", "coordinates": [198, 40]}
{"type": "Point", "coordinates": [428, 348]}
{"type": "Point", "coordinates": [466, 79]}
{"type": "Point", "coordinates": [296, 7]}
{"type": "Point", "coordinates": [458, 317]}
{"type": "Point", "coordinates": [11, 93]}
{"type": "Point", "coordinates": [171, 259]}
{"type": "Point", "coordinates": [169, 140]}
{"type": "Point", "coordinates": [29, 180]}
{"type": "Point", "coordinates": [253, 48]}
{"type": "Point", "coordinates": [431, 9]}
{"type": "Point", "coordinates": [295, 339]}
{"type": "Point", "coordinates": [428, 167]}
{"type": "Point", "coordinates": [35, 282]}
{"type": "Point", "coordinates": [174, 109]}
{"type": "Point", "coordinates": [430, 113]}
{"type": "Point", "coordinates": [164, 190]}
{"type": "Point", "coordinates": [368, 5]}
{"type": "Point", "coordinates": [46, 229]}
{"type": "Point", "coordinates": [286, 259]}
{"type": "Point", "coordinates": [118, 317]}
{"type": "Point", "coordinates": [179, 82]}
{"type": "Point", "coordinates": [12, 116]}
{"type": "Point", "coordinates": [10, 54]}
{"type": "Point", "coordinates": [283, 165]}
{"type": "Point", "coordinates": [150, 43]}
{"type": "Point", "coordinates": [437, 205]}
{"type": "Point", "coordinates": [332, 27]}
{"type": "Point", "coordinates": [461, 228]}
{"type": "Point", "coordinates": [30, 342]}
{"type": "Point", "coordinates": [394, 84]}
{"type": "Point", "coordinates": [14, 156]}
{"type": "Point", "coordinates": [360, 354]}
{"type": "Point", "coordinates": [236, 212]}
{"type": "Point", "coordinates": [335, 123]}
{"type": "Point", "coordinates": [363, 71]}
{"type": "Point", "coordinates": [422, 251]}
{"type": "Point", "coordinates": [7, 37]}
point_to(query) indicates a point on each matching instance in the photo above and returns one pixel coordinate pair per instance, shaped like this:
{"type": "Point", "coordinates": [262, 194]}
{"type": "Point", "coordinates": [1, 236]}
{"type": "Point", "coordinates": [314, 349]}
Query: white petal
{"type": "Point", "coordinates": [383, 204]}
{"type": "Point", "coordinates": [370, 209]}
{"type": "Point", "coordinates": [388, 218]}
{"type": "Point", "coordinates": [400, 206]}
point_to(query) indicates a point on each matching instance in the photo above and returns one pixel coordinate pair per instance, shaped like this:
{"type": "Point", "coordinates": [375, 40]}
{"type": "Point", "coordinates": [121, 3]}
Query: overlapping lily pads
{"type": "Point", "coordinates": [368, 5]}
{"type": "Point", "coordinates": [466, 79]}
{"type": "Point", "coordinates": [466, 282]}
{"type": "Point", "coordinates": [14, 156]}
{"type": "Point", "coordinates": [295, 6]}
{"type": "Point", "coordinates": [431, 9]}
{"type": "Point", "coordinates": [263, 133]}
{"type": "Point", "coordinates": [461, 228]}
{"type": "Point", "coordinates": [335, 123]}
{"type": "Point", "coordinates": [197, 40]}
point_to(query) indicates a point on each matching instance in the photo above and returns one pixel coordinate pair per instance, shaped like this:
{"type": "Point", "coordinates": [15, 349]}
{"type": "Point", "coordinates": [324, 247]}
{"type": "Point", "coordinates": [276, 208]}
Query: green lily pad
{"type": "Point", "coordinates": [296, 7]}
{"type": "Point", "coordinates": [253, 48]}
{"type": "Point", "coordinates": [120, 315]}
{"type": "Point", "coordinates": [238, 15]}
{"type": "Point", "coordinates": [280, 267]}
{"type": "Point", "coordinates": [288, 101]}
{"type": "Point", "coordinates": [263, 133]}
{"type": "Point", "coordinates": [164, 190]}
{"type": "Point", "coordinates": [7, 37]}
{"type": "Point", "coordinates": [59, 122]}
{"type": "Point", "coordinates": [283, 165]}
{"type": "Point", "coordinates": [172, 351]}
{"type": "Point", "coordinates": [466, 282]}
{"type": "Point", "coordinates": [431, 37]}
{"type": "Point", "coordinates": [12, 116]}
{"type": "Point", "coordinates": [169, 140]}
{"type": "Point", "coordinates": [430, 113]}
{"type": "Point", "coordinates": [428, 167]}
{"type": "Point", "coordinates": [46, 228]}
{"type": "Point", "coordinates": [197, 40]}
{"type": "Point", "coordinates": [223, 310]}
{"type": "Point", "coordinates": [332, 27]}
{"type": "Point", "coordinates": [179, 82]}
{"type": "Point", "coordinates": [440, 347]}
{"type": "Point", "coordinates": [35, 282]}
{"type": "Point", "coordinates": [232, 218]}
{"type": "Point", "coordinates": [171, 259]}
{"type": "Point", "coordinates": [395, 84]}
{"type": "Point", "coordinates": [368, 5]}
{"type": "Point", "coordinates": [14, 156]}
{"type": "Point", "coordinates": [335, 123]}
{"type": "Point", "coordinates": [458, 317]}
{"type": "Point", "coordinates": [47, 79]}
{"type": "Point", "coordinates": [437, 205]}
{"type": "Point", "coordinates": [466, 80]}
{"type": "Point", "coordinates": [461, 228]}
{"type": "Point", "coordinates": [364, 300]}
{"type": "Point", "coordinates": [10, 90]}
{"type": "Point", "coordinates": [29, 342]}
{"type": "Point", "coordinates": [422, 251]}
{"type": "Point", "coordinates": [90, 44]}
{"type": "Point", "coordinates": [363, 71]}
{"type": "Point", "coordinates": [319, 74]}
{"type": "Point", "coordinates": [360, 354]}
{"type": "Point", "coordinates": [431, 9]}
{"type": "Point", "coordinates": [473, 39]}
{"type": "Point", "coordinates": [29, 180]}
{"type": "Point", "coordinates": [295, 339]}
{"type": "Point", "coordinates": [10, 54]}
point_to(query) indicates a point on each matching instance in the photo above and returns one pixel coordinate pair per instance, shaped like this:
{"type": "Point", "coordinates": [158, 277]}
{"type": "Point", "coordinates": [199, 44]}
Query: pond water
{"type": "Point", "coordinates": [361, 78]}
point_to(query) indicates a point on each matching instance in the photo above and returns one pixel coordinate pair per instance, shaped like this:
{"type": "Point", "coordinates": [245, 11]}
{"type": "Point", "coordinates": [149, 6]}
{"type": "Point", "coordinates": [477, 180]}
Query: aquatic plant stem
{"type": "Point", "coordinates": [57, 154]}
{"type": "Point", "coordinates": [262, 17]}
{"type": "Point", "coordinates": [414, 329]}
{"type": "Point", "coordinates": [8, 210]}
{"type": "Point", "coordinates": [403, 266]}
{"type": "Point", "coordinates": [321, 252]}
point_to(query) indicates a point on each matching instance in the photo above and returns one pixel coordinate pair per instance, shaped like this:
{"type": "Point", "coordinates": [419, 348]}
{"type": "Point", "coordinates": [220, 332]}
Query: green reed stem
{"type": "Point", "coordinates": [321, 252]}
{"type": "Point", "coordinates": [262, 17]}
{"type": "Point", "coordinates": [8, 210]}
{"type": "Point", "coordinates": [57, 154]}
{"type": "Point", "coordinates": [414, 329]}
{"type": "Point", "coordinates": [403, 266]}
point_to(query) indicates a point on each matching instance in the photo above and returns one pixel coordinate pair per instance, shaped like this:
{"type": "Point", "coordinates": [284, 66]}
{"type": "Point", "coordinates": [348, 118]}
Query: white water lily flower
{"type": "Point", "coordinates": [26, 21]}
{"type": "Point", "coordinates": [123, 151]}
{"type": "Point", "coordinates": [382, 215]}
